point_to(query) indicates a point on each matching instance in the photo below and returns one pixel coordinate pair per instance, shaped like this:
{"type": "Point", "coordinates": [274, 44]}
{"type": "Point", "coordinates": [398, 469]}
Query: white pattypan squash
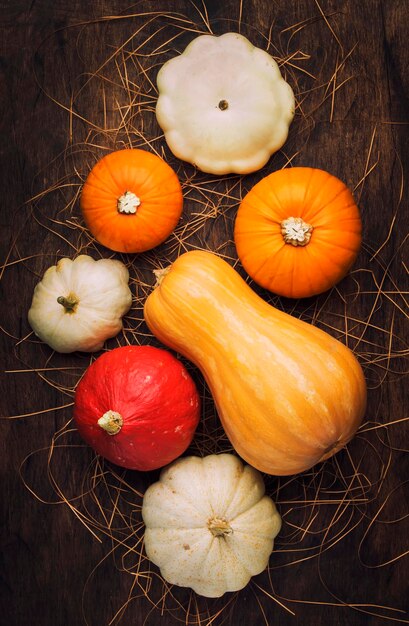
{"type": "Point", "coordinates": [223, 104]}
{"type": "Point", "coordinates": [209, 525]}
{"type": "Point", "coordinates": [79, 304]}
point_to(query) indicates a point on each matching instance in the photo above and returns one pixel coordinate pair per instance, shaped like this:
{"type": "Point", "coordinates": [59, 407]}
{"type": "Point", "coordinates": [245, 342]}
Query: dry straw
{"type": "Point", "coordinates": [110, 107]}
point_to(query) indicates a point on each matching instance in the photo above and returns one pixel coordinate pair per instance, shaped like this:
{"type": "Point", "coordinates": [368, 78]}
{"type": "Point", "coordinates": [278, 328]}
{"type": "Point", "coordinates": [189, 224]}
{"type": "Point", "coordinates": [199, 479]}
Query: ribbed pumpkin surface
{"type": "Point", "coordinates": [298, 232]}
{"type": "Point", "coordinates": [131, 201]}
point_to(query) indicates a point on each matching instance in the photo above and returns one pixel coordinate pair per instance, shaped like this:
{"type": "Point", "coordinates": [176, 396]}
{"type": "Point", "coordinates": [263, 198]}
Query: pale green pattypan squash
{"type": "Point", "coordinates": [79, 304]}
{"type": "Point", "coordinates": [223, 105]}
{"type": "Point", "coordinates": [209, 524]}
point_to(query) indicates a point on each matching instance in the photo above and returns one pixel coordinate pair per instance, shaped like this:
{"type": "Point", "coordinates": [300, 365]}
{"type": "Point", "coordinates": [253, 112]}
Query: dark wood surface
{"type": "Point", "coordinates": [340, 556]}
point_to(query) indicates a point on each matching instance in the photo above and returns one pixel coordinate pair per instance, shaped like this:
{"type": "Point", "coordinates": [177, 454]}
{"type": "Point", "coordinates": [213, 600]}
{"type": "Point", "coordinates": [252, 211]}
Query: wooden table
{"type": "Point", "coordinates": [73, 87]}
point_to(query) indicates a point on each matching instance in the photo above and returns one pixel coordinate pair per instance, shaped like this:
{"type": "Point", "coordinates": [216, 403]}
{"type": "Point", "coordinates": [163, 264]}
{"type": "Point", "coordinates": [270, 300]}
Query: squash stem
{"type": "Point", "coordinates": [128, 203]}
{"type": "Point", "coordinates": [219, 527]}
{"type": "Point", "coordinates": [69, 303]}
{"type": "Point", "coordinates": [111, 422]}
{"type": "Point", "coordinates": [160, 274]}
{"type": "Point", "coordinates": [295, 231]}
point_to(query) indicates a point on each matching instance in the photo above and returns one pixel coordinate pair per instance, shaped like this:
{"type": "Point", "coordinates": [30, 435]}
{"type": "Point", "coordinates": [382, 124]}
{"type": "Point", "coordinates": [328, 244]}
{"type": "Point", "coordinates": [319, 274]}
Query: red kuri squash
{"type": "Point", "coordinates": [131, 201]}
{"type": "Point", "coordinates": [137, 406]}
{"type": "Point", "coordinates": [298, 231]}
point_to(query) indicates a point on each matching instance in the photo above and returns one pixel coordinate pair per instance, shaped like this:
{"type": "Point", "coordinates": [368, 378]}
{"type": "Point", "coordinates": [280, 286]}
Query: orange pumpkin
{"type": "Point", "coordinates": [298, 232]}
{"type": "Point", "coordinates": [131, 201]}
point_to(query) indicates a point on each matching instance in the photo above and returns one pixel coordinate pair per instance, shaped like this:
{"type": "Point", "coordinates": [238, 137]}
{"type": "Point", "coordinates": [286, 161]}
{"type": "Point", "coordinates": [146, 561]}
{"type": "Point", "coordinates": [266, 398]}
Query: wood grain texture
{"type": "Point", "coordinates": [348, 63]}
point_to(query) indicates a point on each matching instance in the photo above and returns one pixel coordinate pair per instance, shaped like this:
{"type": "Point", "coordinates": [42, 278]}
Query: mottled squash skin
{"type": "Point", "coordinates": [155, 396]}
{"type": "Point", "coordinates": [288, 394]}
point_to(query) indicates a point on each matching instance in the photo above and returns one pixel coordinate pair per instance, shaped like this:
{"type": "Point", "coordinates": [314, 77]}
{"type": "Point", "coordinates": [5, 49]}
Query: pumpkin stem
{"type": "Point", "coordinates": [160, 274]}
{"type": "Point", "coordinates": [295, 231]}
{"type": "Point", "coordinates": [128, 203]}
{"type": "Point", "coordinates": [223, 105]}
{"type": "Point", "coordinates": [219, 527]}
{"type": "Point", "coordinates": [69, 303]}
{"type": "Point", "coordinates": [111, 422]}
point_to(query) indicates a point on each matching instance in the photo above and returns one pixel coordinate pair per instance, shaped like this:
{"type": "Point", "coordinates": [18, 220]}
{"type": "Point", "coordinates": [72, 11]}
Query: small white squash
{"type": "Point", "coordinates": [209, 525]}
{"type": "Point", "coordinates": [79, 304]}
{"type": "Point", "coordinates": [223, 104]}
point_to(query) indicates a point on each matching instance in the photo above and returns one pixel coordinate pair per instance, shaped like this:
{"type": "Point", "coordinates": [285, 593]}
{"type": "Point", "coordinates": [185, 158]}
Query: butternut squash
{"type": "Point", "coordinates": [288, 394]}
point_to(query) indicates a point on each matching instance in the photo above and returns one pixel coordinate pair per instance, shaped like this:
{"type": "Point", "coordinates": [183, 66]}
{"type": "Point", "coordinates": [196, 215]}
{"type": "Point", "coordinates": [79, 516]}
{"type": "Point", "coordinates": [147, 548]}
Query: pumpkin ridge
{"type": "Point", "coordinates": [186, 496]}
{"type": "Point", "coordinates": [142, 184]}
{"type": "Point", "coordinates": [160, 534]}
{"type": "Point", "coordinates": [172, 196]}
{"type": "Point", "coordinates": [285, 258]}
{"type": "Point", "coordinates": [309, 175]}
{"type": "Point", "coordinates": [319, 281]}
{"type": "Point", "coordinates": [253, 539]}
{"type": "Point", "coordinates": [236, 556]}
{"type": "Point", "coordinates": [227, 503]}
{"type": "Point", "coordinates": [333, 218]}
{"type": "Point", "coordinates": [178, 563]}
{"type": "Point", "coordinates": [223, 548]}
{"type": "Point", "coordinates": [97, 181]}
{"type": "Point", "coordinates": [119, 174]}
{"type": "Point", "coordinates": [321, 237]}
{"type": "Point", "coordinates": [235, 465]}
{"type": "Point", "coordinates": [336, 221]}
{"type": "Point", "coordinates": [333, 269]}
{"type": "Point", "coordinates": [103, 171]}
{"type": "Point", "coordinates": [148, 226]}
{"type": "Point", "coordinates": [338, 262]}
{"type": "Point", "coordinates": [234, 515]}
{"type": "Point", "coordinates": [190, 501]}
{"type": "Point", "coordinates": [317, 205]}
{"type": "Point", "coordinates": [264, 513]}
{"type": "Point", "coordinates": [264, 191]}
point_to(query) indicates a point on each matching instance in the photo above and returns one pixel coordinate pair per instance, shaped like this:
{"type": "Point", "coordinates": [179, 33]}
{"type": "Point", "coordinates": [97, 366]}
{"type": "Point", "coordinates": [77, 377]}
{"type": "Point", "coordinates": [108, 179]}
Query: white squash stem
{"type": "Point", "coordinates": [111, 422]}
{"type": "Point", "coordinates": [295, 231]}
{"type": "Point", "coordinates": [128, 203]}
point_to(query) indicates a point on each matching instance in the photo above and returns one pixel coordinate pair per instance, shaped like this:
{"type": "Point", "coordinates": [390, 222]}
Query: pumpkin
{"type": "Point", "coordinates": [131, 200]}
{"type": "Point", "coordinates": [288, 394]}
{"type": "Point", "coordinates": [137, 406]}
{"type": "Point", "coordinates": [79, 303]}
{"type": "Point", "coordinates": [298, 231]}
{"type": "Point", "coordinates": [223, 104]}
{"type": "Point", "coordinates": [209, 524]}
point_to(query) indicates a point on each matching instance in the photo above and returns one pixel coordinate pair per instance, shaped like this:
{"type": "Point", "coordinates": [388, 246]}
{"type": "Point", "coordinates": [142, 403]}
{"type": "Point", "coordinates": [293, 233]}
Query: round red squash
{"type": "Point", "coordinates": [137, 406]}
